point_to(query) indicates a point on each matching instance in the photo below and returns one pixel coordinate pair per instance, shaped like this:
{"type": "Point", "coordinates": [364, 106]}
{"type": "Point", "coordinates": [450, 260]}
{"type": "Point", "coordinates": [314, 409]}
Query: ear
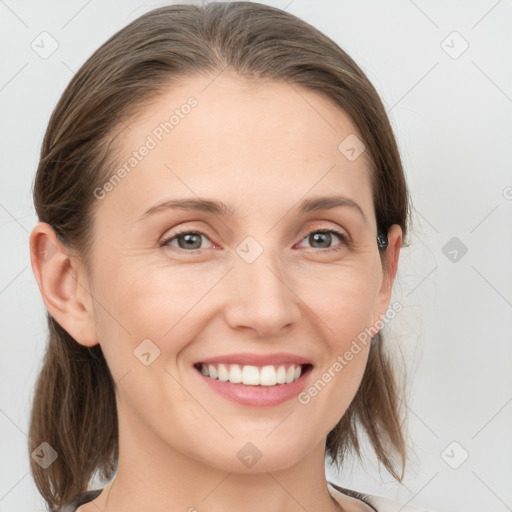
{"type": "Point", "coordinates": [62, 281]}
{"type": "Point", "coordinates": [389, 270]}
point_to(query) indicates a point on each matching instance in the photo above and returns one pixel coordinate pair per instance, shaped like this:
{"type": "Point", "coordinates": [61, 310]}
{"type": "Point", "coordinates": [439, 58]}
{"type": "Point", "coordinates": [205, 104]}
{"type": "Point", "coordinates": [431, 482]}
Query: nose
{"type": "Point", "coordinates": [262, 297]}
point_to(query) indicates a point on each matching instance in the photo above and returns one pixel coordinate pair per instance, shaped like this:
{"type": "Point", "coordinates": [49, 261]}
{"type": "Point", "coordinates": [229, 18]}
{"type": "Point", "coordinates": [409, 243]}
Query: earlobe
{"type": "Point", "coordinates": [62, 284]}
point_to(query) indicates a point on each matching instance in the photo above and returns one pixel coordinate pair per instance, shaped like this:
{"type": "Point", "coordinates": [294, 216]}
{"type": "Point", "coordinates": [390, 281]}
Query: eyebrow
{"type": "Point", "coordinates": [223, 210]}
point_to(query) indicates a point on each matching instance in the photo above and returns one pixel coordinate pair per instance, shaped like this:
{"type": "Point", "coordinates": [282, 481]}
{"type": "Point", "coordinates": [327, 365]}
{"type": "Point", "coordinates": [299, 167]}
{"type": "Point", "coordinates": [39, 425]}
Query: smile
{"type": "Point", "coordinates": [269, 375]}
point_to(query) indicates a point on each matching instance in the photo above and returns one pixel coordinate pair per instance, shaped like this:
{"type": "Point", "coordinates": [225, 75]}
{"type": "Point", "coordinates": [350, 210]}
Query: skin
{"type": "Point", "coordinates": [261, 149]}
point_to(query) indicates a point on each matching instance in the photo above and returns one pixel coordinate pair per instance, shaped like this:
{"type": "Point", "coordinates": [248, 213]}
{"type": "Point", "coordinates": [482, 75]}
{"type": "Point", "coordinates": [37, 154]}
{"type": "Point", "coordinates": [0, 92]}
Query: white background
{"type": "Point", "coordinates": [452, 118]}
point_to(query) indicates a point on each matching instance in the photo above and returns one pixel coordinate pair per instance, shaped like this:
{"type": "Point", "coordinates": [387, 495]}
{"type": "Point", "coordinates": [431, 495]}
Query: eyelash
{"type": "Point", "coordinates": [344, 239]}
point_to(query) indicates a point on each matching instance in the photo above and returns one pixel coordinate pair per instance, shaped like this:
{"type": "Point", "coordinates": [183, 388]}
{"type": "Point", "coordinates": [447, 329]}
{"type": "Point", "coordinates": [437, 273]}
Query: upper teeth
{"type": "Point", "coordinates": [252, 375]}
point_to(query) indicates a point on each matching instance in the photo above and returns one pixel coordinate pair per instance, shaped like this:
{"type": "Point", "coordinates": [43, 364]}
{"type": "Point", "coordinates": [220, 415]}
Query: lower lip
{"type": "Point", "coordinates": [257, 396]}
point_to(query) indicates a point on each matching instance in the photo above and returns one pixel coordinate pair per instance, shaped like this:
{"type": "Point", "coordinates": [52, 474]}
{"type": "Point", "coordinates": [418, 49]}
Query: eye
{"type": "Point", "coordinates": [189, 241]}
{"type": "Point", "coordinates": [324, 237]}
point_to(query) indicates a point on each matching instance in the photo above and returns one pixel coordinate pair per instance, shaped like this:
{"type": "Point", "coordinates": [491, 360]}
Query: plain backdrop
{"type": "Point", "coordinates": [443, 71]}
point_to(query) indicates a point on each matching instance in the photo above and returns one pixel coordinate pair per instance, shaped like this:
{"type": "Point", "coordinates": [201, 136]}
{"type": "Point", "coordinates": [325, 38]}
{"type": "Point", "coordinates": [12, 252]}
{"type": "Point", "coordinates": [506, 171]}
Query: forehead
{"type": "Point", "coordinates": [242, 142]}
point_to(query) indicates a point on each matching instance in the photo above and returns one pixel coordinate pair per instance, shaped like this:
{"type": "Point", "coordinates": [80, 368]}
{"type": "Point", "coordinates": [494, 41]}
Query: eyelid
{"type": "Point", "coordinates": [329, 226]}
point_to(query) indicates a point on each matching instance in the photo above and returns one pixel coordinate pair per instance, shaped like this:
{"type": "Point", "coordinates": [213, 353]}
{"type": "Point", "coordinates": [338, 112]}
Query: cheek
{"type": "Point", "coordinates": [149, 303]}
{"type": "Point", "coordinates": [142, 328]}
{"type": "Point", "coordinates": [343, 305]}
{"type": "Point", "coordinates": [344, 299]}
{"type": "Point", "coordinates": [343, 327]}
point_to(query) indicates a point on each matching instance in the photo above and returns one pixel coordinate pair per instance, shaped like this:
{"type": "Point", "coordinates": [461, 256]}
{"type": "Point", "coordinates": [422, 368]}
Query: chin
{"type": "Point", "coordinates": [250, 457]}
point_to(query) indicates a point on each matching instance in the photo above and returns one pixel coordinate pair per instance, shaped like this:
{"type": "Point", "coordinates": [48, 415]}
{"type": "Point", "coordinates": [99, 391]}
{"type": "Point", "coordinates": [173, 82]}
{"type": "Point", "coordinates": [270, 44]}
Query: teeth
{"type": "Point", "coordinates": [268, 376]}
{"type": "Point", "coordinates": [281, 375]}
{"type": "Point", "coordinates": [222, 373]}
{"type": "Point", "coordinates": [252, 375]}
{"type": "Point", "coordinates": [235, 374]}
{"type": "Point", "coordinates": [212, 371]}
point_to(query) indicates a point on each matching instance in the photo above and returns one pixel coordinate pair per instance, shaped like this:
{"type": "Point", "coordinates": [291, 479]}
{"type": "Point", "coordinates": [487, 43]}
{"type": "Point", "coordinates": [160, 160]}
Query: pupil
{"type": "Point", "coordinates": [189, 241]}
{"type": "Point", "coordinates": [325, 237]}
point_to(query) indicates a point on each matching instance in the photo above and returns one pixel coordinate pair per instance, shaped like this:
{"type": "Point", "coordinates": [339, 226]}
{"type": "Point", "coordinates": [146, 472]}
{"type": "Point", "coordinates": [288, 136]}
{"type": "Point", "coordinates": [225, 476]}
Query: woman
{"type": "Point", "coordinates": [222, 207]}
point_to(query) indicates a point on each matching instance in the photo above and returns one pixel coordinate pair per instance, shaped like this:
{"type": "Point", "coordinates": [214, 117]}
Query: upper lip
{"type": "Point", "coordinates": [257, 359]}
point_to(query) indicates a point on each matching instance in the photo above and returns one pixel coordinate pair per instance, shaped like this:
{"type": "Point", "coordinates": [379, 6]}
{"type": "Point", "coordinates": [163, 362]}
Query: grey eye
{"type": "Point", "coordinates": [322, 239]}
{"type": "Point", "coordinates": [188, 240]}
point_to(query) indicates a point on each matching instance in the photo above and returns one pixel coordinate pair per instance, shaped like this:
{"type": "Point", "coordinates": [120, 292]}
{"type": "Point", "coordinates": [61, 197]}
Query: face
{"type": "Point", "coordinates": [267, 278]}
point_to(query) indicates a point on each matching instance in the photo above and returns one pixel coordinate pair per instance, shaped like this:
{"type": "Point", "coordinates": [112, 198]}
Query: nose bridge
{"type": "Point", "coordinates": [264, 297]}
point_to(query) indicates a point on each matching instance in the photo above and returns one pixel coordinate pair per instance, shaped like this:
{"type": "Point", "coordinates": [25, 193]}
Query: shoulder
{"type": "Point", "coordinates": [377, 503]}
{"type": "Point", "coordinates": [78, 500]}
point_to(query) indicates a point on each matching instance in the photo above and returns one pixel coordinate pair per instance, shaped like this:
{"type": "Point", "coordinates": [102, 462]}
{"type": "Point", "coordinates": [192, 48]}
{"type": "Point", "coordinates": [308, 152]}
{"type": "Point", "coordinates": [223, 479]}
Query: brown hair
{"type": "Point", "coordinates": [74, 405]}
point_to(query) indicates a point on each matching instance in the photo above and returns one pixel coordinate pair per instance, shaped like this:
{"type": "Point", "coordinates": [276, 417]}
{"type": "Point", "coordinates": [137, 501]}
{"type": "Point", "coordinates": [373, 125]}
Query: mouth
{"type": "Point", "coordinates": [250, 375]}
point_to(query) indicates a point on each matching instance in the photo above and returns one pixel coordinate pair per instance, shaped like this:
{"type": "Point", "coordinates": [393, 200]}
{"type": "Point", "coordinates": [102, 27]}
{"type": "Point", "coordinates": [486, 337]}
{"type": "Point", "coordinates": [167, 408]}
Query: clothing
{"type": "Point", "coordinates": [375, 503]}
